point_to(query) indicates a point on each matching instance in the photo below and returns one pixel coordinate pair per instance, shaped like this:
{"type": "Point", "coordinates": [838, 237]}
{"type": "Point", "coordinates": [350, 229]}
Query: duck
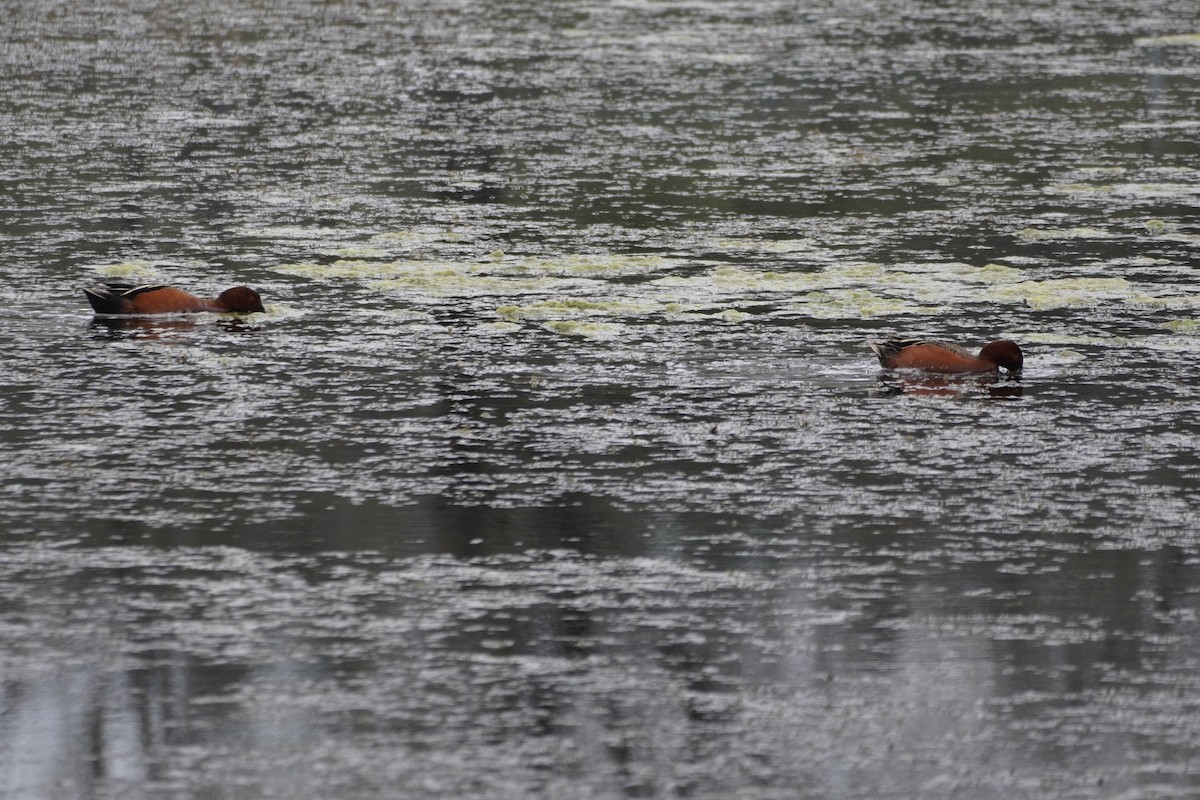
{"type": "Point", "coordinates": [896, 352]}
{"type": "Point", "coordinates": [126, 298]}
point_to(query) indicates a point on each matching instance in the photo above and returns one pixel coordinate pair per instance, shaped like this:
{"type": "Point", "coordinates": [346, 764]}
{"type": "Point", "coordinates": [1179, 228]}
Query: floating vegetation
{"type": "Point", "coordinates": [857, 304]}
{"type": "Point", "coordinates": [585, 330]}
{"type": "Point", "coordinates": [1170, 40]}
{"type": "Point", "coordinates": [1063, 292]}
{"type": "Point", "coordinates": [1188, 326]}
{"type": "Point", "coordinates": [567, 308]}
{"type": "Point", "coordinates": [362, 269]}
{"type": "Point", "coordinates": [131, 271]}
{"type": "Point", "coordinates": [599, 266]}
{"type": "Point", "coordinates": [1046, 234]}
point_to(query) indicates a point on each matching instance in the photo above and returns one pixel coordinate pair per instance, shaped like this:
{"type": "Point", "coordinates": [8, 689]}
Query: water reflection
{"type": "Point", "coordinates": [556, 669]}
{"type": "Point", "coordinates": [166, 326]}
{"type": "Point", "coordinates": [69, 731]}
{"type": "Point", "coordinates": [891, 383]}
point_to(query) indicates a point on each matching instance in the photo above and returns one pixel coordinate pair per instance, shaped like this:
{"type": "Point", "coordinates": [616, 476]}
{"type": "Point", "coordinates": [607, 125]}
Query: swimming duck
{"type": "Point", "coordinates": [125, 298]}
{"type": "Point", "coordinates": [899, 353]}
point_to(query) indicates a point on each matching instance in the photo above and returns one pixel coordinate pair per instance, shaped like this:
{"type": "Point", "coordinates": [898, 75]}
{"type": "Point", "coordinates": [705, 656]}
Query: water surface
{"type": "Point", "coordinates": [558, 465]}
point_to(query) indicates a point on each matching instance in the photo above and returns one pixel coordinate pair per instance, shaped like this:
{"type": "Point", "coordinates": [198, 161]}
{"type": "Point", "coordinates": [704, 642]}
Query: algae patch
{"type": "Point", "coordinates": [731, 315]}
{"type": "Point", "coordinates": [1168, 301]}
{"type": "Point", "coordinates": [586, 330]}
{"type": "Point", "coordinates": [581, 285]}
{"type": "Point", "coordinates": [1189, 326]}
{"type": "Point", "coordinates": [433, 278]}
{"type": "Point", "coordinates": [494, 274]}
{"type": "Point", "coordinates": [362, 269]}
{"type": "Point", "coordinates": [1064, 292]}
{"type": "Point", "coordinates": [1170, 40]}
{"type": "Point", "coordinates": [857, 304]}
{"type": "Point", "coordinates": [137, 271]}
{"type": "Point", "coordinates": [360, 252]}
{"type": "Point", "coordinates": [953, 273]}
{"type": "Point", "coordinates": [727, 279]}
{"type": "Point", "coordinates": [1048, 234]}
{"type": "Point", "coordinates": [570, 308]}
{"type": "Point", "coordinates": [862, 289]}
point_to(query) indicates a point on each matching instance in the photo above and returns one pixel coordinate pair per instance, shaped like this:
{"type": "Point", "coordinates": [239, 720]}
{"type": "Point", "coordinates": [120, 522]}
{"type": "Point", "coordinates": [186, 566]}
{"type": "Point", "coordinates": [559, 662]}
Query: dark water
{"type": "Point", "coordinates": [558, 466]}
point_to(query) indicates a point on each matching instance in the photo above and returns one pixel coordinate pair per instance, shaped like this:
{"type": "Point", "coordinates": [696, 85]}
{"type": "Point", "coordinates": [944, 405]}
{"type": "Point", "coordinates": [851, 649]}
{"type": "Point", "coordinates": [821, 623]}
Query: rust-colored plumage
{"type": "Point", "coordinates": [922, 354]}
{"type": "Point", "coordinates": [124, 298]}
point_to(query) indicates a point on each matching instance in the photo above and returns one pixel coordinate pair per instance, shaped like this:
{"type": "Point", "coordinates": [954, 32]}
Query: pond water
{"type": "Point", "coordinates": [558, 465]}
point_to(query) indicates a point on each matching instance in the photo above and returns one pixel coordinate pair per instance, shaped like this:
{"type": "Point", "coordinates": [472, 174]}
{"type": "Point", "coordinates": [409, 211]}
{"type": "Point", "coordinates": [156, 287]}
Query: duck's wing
{"type": "Point", "coordinates": [106, 298]}
{"type": "Point", "coordinates": [892, 345]}
{"type": "Point", "coordinates": [957, 349]}
{"type": "Point", "coordinates": [129, 290]}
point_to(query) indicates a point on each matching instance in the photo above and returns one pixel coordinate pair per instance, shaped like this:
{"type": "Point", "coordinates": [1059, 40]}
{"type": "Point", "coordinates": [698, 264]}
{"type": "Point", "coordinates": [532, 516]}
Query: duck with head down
{"type": "Point", "coordinates": [125, 298]}
{"type": "Point", "coordinates": [930, 356]}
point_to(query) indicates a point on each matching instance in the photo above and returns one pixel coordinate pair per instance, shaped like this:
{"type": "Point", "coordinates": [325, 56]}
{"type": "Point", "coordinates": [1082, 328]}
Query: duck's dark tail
{"type": "Point", "coordinates": [109, 298]}
{"type": "Point", "coordinates": [891, 346]}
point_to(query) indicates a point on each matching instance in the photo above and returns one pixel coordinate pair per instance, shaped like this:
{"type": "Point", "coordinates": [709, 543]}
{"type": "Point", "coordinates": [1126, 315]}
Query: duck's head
{"type": "Point", "coordinates": [1003, 353]}
{"type": "Point", "coordinates": [240, 300]}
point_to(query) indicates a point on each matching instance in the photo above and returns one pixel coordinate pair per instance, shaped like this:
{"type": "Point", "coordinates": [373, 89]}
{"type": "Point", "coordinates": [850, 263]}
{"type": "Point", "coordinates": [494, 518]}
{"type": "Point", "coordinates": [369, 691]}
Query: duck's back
{"type": "Point", "coordinates": [126, 298]}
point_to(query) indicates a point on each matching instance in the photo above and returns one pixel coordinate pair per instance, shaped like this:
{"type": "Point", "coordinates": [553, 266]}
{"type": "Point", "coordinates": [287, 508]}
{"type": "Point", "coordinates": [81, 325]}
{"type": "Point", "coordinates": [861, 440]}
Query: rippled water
{"type": "Point", "coordinates": [558, 465]}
